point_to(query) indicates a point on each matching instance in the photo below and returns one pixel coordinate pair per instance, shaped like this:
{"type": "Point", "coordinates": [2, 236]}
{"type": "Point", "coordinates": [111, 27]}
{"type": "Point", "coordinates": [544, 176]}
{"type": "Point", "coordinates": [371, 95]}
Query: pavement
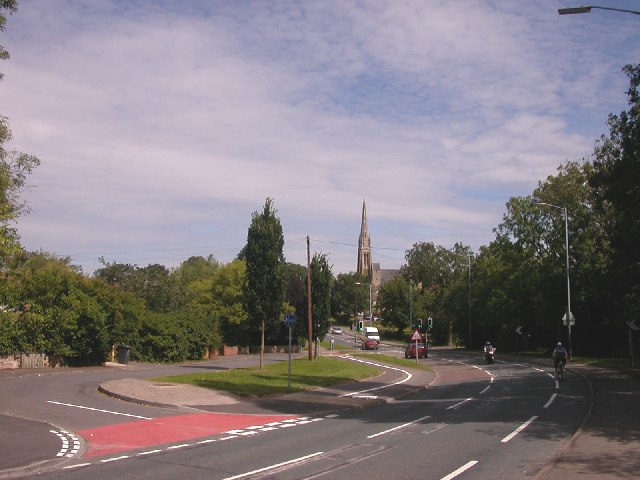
{"type": "Point", "coordinates": [605, 446]}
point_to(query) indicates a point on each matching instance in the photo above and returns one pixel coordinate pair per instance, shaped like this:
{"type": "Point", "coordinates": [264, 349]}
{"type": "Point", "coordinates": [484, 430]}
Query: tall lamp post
{"type": "Point", "coordinates": [588, 8]}
{"type": "Point", "coordinates": [569, 316]}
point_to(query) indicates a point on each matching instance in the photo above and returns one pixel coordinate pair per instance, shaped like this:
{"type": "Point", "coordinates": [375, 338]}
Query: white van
{"type": "Point", "coordinates": [371, 332]}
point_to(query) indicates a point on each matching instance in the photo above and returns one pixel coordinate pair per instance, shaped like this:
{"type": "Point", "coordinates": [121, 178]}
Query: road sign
{"type": "Point", "coordinates": [289, 320]}
{"type": "Point", "coordinates": [416, 336]}
{"type": "Point", "coordinates": [633, 326]}
{"type": "Point", "coordinates": [572, 321]}
{"type": "Point", "coordinates": [519, 330]}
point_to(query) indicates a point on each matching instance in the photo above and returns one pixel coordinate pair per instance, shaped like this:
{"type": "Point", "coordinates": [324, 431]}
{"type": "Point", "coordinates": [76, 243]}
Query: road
{"type": "Point", "coordinates": [474, 421]}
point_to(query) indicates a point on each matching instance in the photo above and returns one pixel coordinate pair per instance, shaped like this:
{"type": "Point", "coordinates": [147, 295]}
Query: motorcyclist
{"type": "Point", "coordinates": [489, 352]}
{"type": "Point", "coordinates": [559, 355]}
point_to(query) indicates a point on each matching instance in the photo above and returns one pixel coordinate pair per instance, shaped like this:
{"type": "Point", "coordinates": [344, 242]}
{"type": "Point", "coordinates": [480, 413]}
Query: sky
{"type": "Point", "coordinates": [162, 126]}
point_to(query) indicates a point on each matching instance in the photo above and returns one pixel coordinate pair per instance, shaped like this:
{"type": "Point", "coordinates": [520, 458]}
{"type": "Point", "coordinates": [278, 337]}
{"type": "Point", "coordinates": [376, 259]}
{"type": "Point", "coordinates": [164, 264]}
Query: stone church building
{"type": "Point", "coordinates": [366, 266]}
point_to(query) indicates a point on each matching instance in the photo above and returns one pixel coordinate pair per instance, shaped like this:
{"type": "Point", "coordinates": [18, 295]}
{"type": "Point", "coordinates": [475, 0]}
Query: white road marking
{"type": "Point", "coordinates": [277, 465]}
{"type": "Point", "coordinates": [462, 469]}
{"type": "Point", "coordinates": [114, 459]}
{"type": "Point", "coordinates": [460, 403]}
{"type": "Point", "coordinates": [519, 429]}
{"type": "Point", "coordinates": [69, 467]}
{"type": "Point", "coordinates": [553, 397]}
{"type": "Point", "coordinates": [398, 427]}
{"type": "Point", "coordinates": [407, 378]}
{"type": "Point", "coordinates": [98, 410]}
{"type": "Point", "coordinates": [485, 389]}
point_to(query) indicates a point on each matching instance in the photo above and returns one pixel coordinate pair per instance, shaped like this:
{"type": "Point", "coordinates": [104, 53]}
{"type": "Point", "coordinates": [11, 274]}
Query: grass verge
{"type": "Point", "coordinates": [274, 379]}
{"type": "Point", "coordinates": [391, 360]}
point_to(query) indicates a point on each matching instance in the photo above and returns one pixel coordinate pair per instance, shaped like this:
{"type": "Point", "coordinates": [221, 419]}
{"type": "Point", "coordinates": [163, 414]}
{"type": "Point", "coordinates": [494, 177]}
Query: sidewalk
{"type": "Point", "coordinates": [607, 445]}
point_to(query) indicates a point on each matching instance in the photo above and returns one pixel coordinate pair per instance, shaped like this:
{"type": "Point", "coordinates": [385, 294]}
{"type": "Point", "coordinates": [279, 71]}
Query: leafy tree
{"type": "Point", "coordinates": [393, 297]}
{"type": "Point", "coordinates": [10, 6]}
{"type": "Point", "coordinates": [321, 285]}
{"type": "Point", "coordinates": [265, 282]}
{"type": "Point", "coordinates": [617, 180]}
{"type": "Point", "coordinates": [14, 169]}
{"type": "Point", "coordinates": [347, 298]}
{"type": "Point", "coordinates": [228, 305]}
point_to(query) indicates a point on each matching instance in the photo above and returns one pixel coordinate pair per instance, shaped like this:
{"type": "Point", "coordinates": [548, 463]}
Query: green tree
{"type": "Point", "coordinates": [617, 180]}
{"type": "Point", "coordinates": [347, 297]}
{"type": "Point", "coordinates": [393, 297]}
{"type": "Point", "coordinates": [265, 282]}
{"type": "Point", "coordinates": [8, 6]}
{"type": "Point", "coordinates": [321, 285]}
{"type": "Point", "coordinates": [228, 303]}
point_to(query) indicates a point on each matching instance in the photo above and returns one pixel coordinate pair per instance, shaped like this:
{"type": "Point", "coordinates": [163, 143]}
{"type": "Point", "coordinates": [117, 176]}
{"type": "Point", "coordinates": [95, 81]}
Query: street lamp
{"type": "Point", "coordinates": [566, 240]}
{"type": "Point", "coordinates": [370, 311]}
{"type": "Point", "coordinates": [587, 9]}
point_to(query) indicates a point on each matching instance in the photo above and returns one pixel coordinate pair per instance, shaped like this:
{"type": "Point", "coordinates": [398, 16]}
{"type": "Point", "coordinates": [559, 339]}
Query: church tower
{"type": "Point", "coordinates": [365, 265]}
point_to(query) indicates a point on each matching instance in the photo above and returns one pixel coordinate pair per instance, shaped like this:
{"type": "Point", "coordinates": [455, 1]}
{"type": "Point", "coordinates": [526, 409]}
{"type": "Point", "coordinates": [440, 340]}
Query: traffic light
{"type": "Point", "coordinates": [430, 323]}
{"type": "Point", "coordinates": [360, 325]}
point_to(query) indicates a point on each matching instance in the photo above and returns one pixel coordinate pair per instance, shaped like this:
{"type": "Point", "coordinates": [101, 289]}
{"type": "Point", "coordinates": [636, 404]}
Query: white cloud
{"type": "Point", "coordinates": [162, 129]}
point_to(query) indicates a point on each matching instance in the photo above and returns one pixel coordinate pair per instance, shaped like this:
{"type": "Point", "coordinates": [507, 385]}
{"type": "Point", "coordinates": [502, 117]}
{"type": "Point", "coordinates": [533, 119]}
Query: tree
{"type": "Point", "coordinates": [11, 6]}
{"type": "Point", "coordinates": [617, 180]}
{"type": "Point", "coordinates": [347, 298]}
{"type": "Point", "coordinates": [265, 282]}
{"type": "Point", "coordinates": [393, 297]}
{"type": "Point", "coordinates": [321, 285]}
{"type": "Point", "coordinates": [14, 169]}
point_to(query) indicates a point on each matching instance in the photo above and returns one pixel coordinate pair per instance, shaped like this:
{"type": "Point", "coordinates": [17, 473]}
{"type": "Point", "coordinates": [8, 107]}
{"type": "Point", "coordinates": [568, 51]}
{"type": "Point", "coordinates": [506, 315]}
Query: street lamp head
{"type": "Point", "coordinates": [574, 10]}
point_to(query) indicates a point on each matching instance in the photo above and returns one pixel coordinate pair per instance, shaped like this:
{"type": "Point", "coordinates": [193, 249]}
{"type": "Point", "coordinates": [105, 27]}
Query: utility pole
{"type": "Point", "coordinates": [310, 326]}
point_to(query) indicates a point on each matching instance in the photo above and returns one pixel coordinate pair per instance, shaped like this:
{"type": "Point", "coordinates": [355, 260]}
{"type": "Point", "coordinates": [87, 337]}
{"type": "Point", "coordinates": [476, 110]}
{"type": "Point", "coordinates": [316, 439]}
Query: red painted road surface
{"type": "Point", "coordinates": [144, 433]}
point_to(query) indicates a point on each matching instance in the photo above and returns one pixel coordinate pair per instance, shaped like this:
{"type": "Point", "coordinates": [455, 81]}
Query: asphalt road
{"type": "Point", "coordinates": [476, 421]}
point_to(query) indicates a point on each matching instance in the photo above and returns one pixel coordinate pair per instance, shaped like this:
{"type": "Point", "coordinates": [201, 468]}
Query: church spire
{"type": "Point", "coordinates": [365, 265]}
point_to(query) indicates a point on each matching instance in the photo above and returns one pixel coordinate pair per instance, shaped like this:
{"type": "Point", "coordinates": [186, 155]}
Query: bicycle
{"type": "Point", "coordinates": [560, 370]}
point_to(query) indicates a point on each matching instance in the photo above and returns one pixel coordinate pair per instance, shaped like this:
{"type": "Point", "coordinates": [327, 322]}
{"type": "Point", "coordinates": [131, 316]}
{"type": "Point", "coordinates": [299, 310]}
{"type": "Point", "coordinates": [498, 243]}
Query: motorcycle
{"type": "Point", "coordinates": [489, 354]}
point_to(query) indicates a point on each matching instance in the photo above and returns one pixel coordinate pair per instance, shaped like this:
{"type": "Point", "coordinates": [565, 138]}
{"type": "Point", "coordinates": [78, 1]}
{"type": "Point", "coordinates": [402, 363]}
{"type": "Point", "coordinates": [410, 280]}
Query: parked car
{"type": "Point", "coordinates": [336, 330]}
{"type": "Point", "coordinates": [370, 344]}
{"type": "Point", "coordinates": [410, 351]}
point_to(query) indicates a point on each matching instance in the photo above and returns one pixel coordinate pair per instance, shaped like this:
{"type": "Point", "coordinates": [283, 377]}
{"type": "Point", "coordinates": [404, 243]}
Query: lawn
{"type": "Point", "coordinates": [273, 380]}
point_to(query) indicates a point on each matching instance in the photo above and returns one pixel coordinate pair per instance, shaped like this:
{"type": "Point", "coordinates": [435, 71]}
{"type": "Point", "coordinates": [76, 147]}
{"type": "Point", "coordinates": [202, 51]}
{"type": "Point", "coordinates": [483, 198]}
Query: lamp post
{"type": "Point", "coordinates": [588, 8]}
{"type": "Point", "coordinates": [370, 311]}
{"type": "Point", "coordinates": [566, 240]}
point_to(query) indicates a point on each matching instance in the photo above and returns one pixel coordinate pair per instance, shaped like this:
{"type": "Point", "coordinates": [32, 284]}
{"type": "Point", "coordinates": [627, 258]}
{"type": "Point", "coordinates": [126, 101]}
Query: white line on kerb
{"type": "Point", "coordinates": [288, 462]}
{"type": "Point", "coordinates": [553, 397]}
{"type": "Point", "coordinates": [407, 378]}
{"type": "Point", "coordinates": [98, 410]}
{"type": "Point", "coordinates": [463, 468]}
{"type": "Point", "coordinates": [398, 427]}
{"type": "Point", "coordinates": [519, 429]}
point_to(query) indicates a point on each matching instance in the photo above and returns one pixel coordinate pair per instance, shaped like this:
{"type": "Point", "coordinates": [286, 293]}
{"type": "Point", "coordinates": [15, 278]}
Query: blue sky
{"type": "Point", "coordinates": [163, 125]}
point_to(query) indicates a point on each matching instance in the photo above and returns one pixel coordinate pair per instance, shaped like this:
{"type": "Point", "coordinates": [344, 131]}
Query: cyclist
{"type": "Point", "coordinates": [559, 355]}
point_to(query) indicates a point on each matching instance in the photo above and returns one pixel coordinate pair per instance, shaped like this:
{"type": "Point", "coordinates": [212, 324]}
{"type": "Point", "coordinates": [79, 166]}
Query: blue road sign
{"type": "Point", "coordinates": [289, 320]}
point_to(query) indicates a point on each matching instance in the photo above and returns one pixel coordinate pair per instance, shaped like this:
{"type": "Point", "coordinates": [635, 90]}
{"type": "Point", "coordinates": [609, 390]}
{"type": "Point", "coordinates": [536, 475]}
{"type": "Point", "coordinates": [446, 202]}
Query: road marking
{"type": "Point", "coordinates": [398, 427]}
{"type": "Point", "coordinates": [553, 397]}
{"type": "Point", "coordinates": [114, 459]}
{"type": "Point", "coordinates": [69, 467]}
{"type": "Point", "coordinates": [277, 465]}
{"type": "Point", "coordinates": [407, 378]}
{"type": "Point", "coordinates": [460, 403]}
{"type": "Point", "coordinates": [462, 469]}
{"type": "Point", "coordinates": [485, 389]}
{"type": "Point", "coordinates": [519, 429]}
{"type": "Point", "coordinates": [68, 449]}
{"type": "Point", "coordinates": [98, 410]}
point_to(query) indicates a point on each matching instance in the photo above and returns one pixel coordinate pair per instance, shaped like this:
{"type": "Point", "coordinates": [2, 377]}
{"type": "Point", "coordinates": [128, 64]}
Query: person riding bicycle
{"type": "Point", "coordinates": [559, 355]}
{"type": "Point", "coordinates": [488, 348]}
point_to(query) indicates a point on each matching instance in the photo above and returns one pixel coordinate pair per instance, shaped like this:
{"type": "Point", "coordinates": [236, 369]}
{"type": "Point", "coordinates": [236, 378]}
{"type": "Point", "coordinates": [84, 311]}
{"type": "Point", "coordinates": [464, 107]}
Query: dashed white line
{"type": "Point", "coordinates": [460, 470]}
{"type": "Point", "coordinates": [398, 427]}
{"type": "Point", "coordinates": [519, 429]}
{"type": "Point", "coordinates": [460, 403]}
{"type": "Point", "coordinates": [272, 467]}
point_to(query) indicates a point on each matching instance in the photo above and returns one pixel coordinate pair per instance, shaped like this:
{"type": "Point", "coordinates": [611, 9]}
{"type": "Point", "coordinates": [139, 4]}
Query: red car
{"type": "Point", "coordinates": [370, 344]}
{"type": "Point", "coordinates": [410, 351]}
